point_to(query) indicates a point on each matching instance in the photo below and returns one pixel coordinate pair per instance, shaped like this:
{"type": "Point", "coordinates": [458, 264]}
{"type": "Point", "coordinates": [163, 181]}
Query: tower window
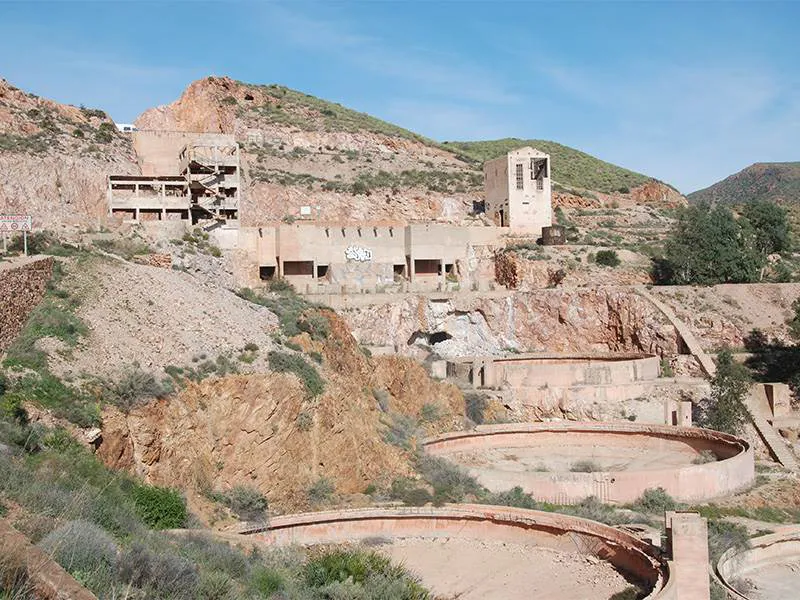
{"type": "Point", "coordinates": [520, 176]}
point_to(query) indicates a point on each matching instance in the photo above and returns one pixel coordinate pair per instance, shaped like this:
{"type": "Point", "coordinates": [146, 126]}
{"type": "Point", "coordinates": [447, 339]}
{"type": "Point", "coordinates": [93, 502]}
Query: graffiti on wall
{"type": "Point", "coordinates": [358, 253]}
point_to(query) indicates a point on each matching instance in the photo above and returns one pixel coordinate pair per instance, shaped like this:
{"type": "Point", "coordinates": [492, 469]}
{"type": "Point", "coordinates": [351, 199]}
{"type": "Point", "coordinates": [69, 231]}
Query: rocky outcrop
{"type": "Point", "coordinates": [54, 159]}
{"type": "Point", "coordinates": [22, 285]}
{"type": "Point", "coordinates": [574, 320]}
{"type": "Point", "coordinates": [263, 431]}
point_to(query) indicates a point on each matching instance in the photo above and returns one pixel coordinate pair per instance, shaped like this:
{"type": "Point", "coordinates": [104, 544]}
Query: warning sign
{"type": "Point", "coordinates": [16, 223]}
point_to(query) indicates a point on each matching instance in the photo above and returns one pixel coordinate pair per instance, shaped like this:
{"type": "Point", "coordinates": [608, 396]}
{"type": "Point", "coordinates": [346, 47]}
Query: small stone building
{"type": "Point", "coordinates": [518, 191]}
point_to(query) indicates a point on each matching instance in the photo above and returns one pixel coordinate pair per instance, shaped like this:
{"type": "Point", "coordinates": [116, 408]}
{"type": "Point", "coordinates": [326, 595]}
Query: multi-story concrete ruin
{"type": "Point", "coordinates": [194, 177]}
{"type": "Point", "coordinates": [518, 191]}
{"type": "Point", "coordinates": [184, 177]}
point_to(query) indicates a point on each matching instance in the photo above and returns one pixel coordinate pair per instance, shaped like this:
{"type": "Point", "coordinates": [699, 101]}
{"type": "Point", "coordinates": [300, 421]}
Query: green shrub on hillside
{"type": "Point", "coordinates": [283, 362]}
{"type": "Point", "coordinates": [134, 387]}
{"type": "Point", "coordinates": [725, 410]}
{"type": "Point", "coordinates": [295, 314]}
{"type": "Point", "coordinates": [245, 501]}
{"type": "Point", "coordinates": [607, 258]}
{"type": "Point", "coordinates": [160, 508]}
{"type": "Point", "coordinates": [81, 546]}
{"type": "Point", "coordinates": [655, 500]}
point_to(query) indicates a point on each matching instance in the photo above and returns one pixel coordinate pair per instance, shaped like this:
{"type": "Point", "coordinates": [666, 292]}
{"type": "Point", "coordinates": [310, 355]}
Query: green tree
{"type": "Point", "coordinates": [771, 226]}
{"type": "Point", "coordinates": [726, 410]}
{"type": "Point", "coordinates": [709, 245]}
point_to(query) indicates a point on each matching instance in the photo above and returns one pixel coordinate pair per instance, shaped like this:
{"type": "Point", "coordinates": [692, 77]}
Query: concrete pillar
{"type": "Point", "coordinates": [489, 373]}
{"type": "Point", "coordinates": [687, 535]}
{"type": "Point", "coordinates": [136, 213]}
{"type": "Point", "coordinates": [685, 413]}
{"type": "Point", "coordinates": [476, 373]}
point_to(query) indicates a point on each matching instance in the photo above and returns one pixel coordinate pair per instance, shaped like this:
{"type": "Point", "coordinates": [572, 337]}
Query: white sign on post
{"type": "Point", "coordinates": [14, 223]}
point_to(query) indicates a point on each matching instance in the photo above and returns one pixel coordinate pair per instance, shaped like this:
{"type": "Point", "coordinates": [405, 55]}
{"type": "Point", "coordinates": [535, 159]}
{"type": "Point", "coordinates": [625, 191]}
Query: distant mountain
{"type": "Point", "coordinates": [773, 182]}
{"type": "Point", "coordinates": [571, 167]}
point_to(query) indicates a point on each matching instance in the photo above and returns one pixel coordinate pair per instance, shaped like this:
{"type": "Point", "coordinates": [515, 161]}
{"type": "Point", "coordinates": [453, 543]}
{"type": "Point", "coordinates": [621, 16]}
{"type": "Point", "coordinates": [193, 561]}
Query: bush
{"type": "Point", "coordinates": [723, 535]}
{"type": "Point", "coordinates": [266, 582]}
{"type": "Point", "coordinates": [320, 491]}
{"type": "Point", "coordinates": [475, 404]}
{"type": "Point", "coordinates": [361, 574]}
{"type": "Point", "coordinates": [607, 258]}
{"type": "Point", "coordinates": [160, 575]}
{"type": "Point", "coordinates": [160, 508]}
{"type": "Point", "coordinates": [247, 502]}
{"type": "Point", "coordinates": [134, 387]}
{"type": "Point", "coordinates": [431, 412]}
{"type": "Point", "coordinates": [516, 497]}
{"type": "Point", "coordinates": [407, 491]}
{"type": "Point", "coordinates": [80, 546]}
{"type": "Point", "coordinates": [450, 482]}
{"type": "Point", "coordinates": [585, 466]}
{"type": "Point", "coordinates": [794, 321]}
{"type": "Point", "coordinates": [655, 500]}
{"type": "Point", "coordinates": [283, 362]}
{"type": "Point", "coordinates": [401, 430]}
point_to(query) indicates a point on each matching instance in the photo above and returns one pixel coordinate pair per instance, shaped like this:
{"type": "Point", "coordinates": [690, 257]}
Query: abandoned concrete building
{"type": "Point", "coordinates": [187, 177]}
{"type": "Point", "coordinates": [193, 178]}
{"type": "Point", "coordinates": [518, 191]}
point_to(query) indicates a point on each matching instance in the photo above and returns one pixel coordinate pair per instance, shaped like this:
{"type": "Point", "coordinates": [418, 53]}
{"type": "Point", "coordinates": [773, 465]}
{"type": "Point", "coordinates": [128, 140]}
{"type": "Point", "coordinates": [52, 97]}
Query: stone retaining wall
{"type": "Point", "coordinates": [22, 285]}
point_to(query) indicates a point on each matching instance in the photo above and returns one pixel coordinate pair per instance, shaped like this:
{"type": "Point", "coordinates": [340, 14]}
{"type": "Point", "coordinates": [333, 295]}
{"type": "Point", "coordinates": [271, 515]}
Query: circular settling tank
{"type": "Point", "coordinates": [566, 462]}
{"type": "Point", "coordinates": [493, 553]}
{"type": "Point", "coordinates": [768, 570]}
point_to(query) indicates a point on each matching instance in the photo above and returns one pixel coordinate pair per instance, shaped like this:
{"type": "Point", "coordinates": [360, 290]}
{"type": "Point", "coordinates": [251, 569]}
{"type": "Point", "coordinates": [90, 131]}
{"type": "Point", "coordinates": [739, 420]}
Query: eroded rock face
{"type": "Point", "coordinates": [263, 431]}
{"type": "Point", "coordinates": [577, 320]}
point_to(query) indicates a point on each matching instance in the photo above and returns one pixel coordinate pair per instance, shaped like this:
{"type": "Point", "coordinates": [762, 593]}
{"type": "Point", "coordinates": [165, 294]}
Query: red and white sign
{"type": "Point", "coordinates": [16, 223]}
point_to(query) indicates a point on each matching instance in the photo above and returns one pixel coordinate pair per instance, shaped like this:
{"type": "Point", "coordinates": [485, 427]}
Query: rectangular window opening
{"type": "Point", "coordinates": [298, 267]}
{"type": "Point", "coordinates": [266, 273]}
{"type": "Point", "coordinates": [520, 176]}
{"type": "Point", "coordinates": [322, 271]}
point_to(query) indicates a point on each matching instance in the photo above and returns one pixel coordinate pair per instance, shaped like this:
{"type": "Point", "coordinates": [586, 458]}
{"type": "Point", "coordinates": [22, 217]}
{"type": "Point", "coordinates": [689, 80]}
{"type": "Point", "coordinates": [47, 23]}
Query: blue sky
{"type": "Point", "coordinates": [688, 92]}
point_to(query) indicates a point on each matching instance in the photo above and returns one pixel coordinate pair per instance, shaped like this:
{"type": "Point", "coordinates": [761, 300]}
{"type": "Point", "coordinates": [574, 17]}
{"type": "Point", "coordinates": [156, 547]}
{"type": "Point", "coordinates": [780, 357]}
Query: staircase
{"type": "Point", "coordinates": [774, 442]}
{"type": "Point", "coordinates": [759, 411]}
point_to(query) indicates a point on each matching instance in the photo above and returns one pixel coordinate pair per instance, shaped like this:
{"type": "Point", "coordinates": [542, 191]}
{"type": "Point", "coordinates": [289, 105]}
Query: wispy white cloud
{"type": "Point", "coordinates": [433, 71]}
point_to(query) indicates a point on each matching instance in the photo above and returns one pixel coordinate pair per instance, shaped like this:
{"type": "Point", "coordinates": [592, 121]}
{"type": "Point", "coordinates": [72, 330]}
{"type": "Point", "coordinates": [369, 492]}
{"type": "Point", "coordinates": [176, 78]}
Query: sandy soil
{"type": "Point", "coordinates": [484, 570]}
{"type": "Point", "coordinates": [777, 581]}
{"type": "Point", "coordinates": [563, 458]}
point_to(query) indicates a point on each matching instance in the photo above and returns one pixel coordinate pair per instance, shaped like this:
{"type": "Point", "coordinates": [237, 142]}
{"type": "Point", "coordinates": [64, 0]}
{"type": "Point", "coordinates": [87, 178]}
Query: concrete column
{"type": "Point", "coordinates": [136, 213]}
{"type": "Point", "coordinates": [476, 373]}
{"type": "Point", "coordinates": [685, 413]}
{"type": "Point", "coordinates": [688, 539]}
{"type": "Point", "coordinates": [489, 373]}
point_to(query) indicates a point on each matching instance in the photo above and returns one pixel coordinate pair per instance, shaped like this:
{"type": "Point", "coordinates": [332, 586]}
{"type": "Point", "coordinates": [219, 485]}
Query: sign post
{"type": "Point", "coordinates": [14, 223]}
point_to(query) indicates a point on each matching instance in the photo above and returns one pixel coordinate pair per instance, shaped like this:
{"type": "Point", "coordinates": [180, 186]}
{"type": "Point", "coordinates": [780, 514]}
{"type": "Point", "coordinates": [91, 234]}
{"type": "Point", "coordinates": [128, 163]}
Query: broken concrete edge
{"type": "Point", "coordinates": [47, 578]}
{"type": "Point", "coordinates": [691, 483]}
{"type": "Point", "coordinates": [624, 551]}
{"type": "Point", "coordinates": [781, 545]}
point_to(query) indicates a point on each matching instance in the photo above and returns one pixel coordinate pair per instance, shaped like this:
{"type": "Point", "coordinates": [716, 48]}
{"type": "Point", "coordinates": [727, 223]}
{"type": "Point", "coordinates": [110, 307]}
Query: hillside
{"type": "Point", "coordinates": [301, 150]}
{"type": "Point", "coordinates": [571, 167]}
{"type": "Point", "coordinates": [771, 182]}
{"type": "Point", "coordinates": [54, 157]}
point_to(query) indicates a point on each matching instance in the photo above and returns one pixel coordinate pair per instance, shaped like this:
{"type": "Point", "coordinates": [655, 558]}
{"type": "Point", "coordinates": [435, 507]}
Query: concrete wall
{"type": "Point", "coordinates": [22, 285]}
{"type": "Point", "coordinates": [733, 471]}
{"type": "Point", "coordinates": [369, 257]}
{"type": "Point", "coordinates": [735, 563]}
{"type": "Point", "coordinates": [158, 151]}
{"type": "Point", "coordinates": [48, 580]}
{"type": "Point", "coordinates": [536, 370]}
{"type": "Point", "coordinates": [628, 554]}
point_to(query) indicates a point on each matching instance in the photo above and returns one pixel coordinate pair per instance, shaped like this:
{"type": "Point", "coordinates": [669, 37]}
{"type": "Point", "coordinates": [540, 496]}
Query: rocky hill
{"type": "Point", "coordinates": [771, 182]}
{"type": "Point", "coordinates": [54, 158]}
{"type": "Point", "coordinates": [302, 151]}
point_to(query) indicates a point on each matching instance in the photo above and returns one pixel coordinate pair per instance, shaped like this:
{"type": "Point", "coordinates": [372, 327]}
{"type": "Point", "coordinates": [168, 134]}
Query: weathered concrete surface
{"type": "Point", "coordinates": [688, 536]}
{"type": "Point", "coordinates": [22, 285]}
{"type": "Point", "coordinates": [48, 580]}
{"type": "Point", "coordinates": [628, 554]}
{"type": "Point", "coordinates": [770, 566]}
{"type": "Point", "coordinates": [687, 482]}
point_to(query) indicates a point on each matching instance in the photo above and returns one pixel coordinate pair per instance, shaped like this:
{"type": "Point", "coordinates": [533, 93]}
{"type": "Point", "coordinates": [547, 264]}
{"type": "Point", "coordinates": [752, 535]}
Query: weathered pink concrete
{"type": "Point", "coordinates": [688, 535]}
{"type": "Point", "coordinates": [764, 551]}
{"type": "Point", "coordinates": [47, 579]}
{"type": "Point", "coordinates": [733, 471]}
{"type": "Point", "coordinates": [533, 370]}
{"type": "Point", "coordinates": [631, 556]}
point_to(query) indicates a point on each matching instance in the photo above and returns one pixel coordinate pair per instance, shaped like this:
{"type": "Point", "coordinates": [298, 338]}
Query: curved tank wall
{"type": "Point", "coordinates": [688, 482]}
